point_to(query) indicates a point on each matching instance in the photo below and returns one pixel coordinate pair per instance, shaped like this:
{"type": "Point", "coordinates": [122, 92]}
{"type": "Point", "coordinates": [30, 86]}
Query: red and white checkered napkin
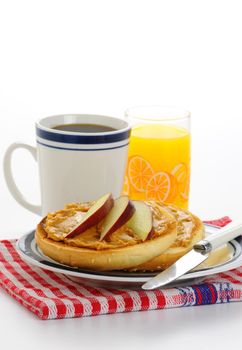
{"type": "Point", "coordinates": [52, 296]}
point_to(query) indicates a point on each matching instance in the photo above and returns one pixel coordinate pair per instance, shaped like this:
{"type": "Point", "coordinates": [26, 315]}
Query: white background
{"type": "Point", "coordinates": [105, 56]}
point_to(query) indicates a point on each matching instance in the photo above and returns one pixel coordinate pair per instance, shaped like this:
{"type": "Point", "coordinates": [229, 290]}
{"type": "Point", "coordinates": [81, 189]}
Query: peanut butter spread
{"type": "Point", "coordinates": [185, 226]}
{"type": "Point", "coordinates": [58, 224]}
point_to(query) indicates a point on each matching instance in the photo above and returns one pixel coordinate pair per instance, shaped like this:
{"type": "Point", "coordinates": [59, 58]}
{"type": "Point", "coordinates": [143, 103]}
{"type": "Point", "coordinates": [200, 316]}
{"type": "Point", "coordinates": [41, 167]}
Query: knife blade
{"type": "Point", "coordinates": [194, 257]}
{"type": "Point", "coordinates": [179, 268]}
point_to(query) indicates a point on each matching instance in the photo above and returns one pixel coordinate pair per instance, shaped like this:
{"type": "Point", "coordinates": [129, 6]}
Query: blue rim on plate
{"type": "Point", "coordinates": [30, 252]}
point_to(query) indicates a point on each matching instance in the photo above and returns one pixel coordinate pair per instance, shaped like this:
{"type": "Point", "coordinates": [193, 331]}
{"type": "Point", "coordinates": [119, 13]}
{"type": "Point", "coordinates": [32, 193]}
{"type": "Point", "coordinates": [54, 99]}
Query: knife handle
{"type": "Point", "coordinates": [219, 238]}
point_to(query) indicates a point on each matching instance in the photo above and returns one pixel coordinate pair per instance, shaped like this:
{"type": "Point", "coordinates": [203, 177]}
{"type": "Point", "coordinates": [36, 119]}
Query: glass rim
{"type": "Point", "coordinates": [177, 113]}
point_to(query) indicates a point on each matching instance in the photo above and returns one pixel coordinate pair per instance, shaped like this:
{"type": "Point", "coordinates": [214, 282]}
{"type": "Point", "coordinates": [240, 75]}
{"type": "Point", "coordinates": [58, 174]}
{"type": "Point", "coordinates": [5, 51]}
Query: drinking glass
{"type": "Point", "coordinates": [158, 166]}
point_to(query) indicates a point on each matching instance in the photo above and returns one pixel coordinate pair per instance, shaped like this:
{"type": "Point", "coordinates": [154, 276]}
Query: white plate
{"type": "Point", "coordinates": [29, 251]}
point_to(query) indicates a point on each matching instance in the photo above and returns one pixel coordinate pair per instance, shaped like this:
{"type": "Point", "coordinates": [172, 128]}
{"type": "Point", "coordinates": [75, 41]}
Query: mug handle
{"type": "Point", "coordinates": [36, 209]}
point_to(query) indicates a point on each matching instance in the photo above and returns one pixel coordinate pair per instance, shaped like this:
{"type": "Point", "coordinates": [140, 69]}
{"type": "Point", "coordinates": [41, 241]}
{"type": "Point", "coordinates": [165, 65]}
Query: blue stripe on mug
{"type": "Point", "coordinates": [82, 149]}
{"type": "Point", "coordinates": [83, 139]}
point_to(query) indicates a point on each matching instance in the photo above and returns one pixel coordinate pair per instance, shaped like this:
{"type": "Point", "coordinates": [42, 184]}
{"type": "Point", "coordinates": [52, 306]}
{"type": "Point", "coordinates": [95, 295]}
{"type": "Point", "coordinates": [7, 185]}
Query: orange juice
{"type": "Point", "coordinates": [159, 164]}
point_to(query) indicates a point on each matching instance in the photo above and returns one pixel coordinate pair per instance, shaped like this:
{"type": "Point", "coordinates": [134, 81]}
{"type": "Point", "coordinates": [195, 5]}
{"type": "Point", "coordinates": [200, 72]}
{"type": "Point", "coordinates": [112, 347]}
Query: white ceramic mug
{"type": "Point", "coordinates": [74, 166]}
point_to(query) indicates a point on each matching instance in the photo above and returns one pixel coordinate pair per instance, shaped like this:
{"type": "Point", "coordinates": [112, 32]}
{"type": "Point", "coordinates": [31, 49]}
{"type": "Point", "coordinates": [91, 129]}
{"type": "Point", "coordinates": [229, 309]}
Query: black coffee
{"type": "Point", "coordinates": [88, 128]}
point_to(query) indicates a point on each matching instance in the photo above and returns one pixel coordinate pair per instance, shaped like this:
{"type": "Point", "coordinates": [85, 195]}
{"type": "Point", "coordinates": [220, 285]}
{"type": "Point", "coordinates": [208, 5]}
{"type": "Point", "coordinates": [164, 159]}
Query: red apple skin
{"type": "Point", "coordinates": [150, 234]}
{"type": "Point", "coordinates": [94, 219]}
{"type": "Point", "coordinates": [122, 219]}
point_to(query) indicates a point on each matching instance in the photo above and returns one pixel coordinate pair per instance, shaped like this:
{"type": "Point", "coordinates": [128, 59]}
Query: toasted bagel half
{"type": "Point", "coordinates": [122, 250]}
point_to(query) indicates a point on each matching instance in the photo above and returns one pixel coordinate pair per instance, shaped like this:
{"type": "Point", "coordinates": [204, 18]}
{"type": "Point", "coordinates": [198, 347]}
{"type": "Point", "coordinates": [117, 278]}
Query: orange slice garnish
{"type": "Point", "coordinates": [139, 172]}
{"type": "Point", "coordinates": [159, 187]}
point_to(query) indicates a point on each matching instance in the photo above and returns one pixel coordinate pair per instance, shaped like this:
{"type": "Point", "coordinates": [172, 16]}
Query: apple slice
{"type": "Point", "coordinates": [121, 212]}
{"type": "Point", "coordinates": [142, 221]}
{"type": "Point", "coordinates": [94, 215]}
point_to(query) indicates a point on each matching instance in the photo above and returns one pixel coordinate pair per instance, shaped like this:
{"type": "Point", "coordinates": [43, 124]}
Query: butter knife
{"type": "Point", "coordinates": [194, 257]}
